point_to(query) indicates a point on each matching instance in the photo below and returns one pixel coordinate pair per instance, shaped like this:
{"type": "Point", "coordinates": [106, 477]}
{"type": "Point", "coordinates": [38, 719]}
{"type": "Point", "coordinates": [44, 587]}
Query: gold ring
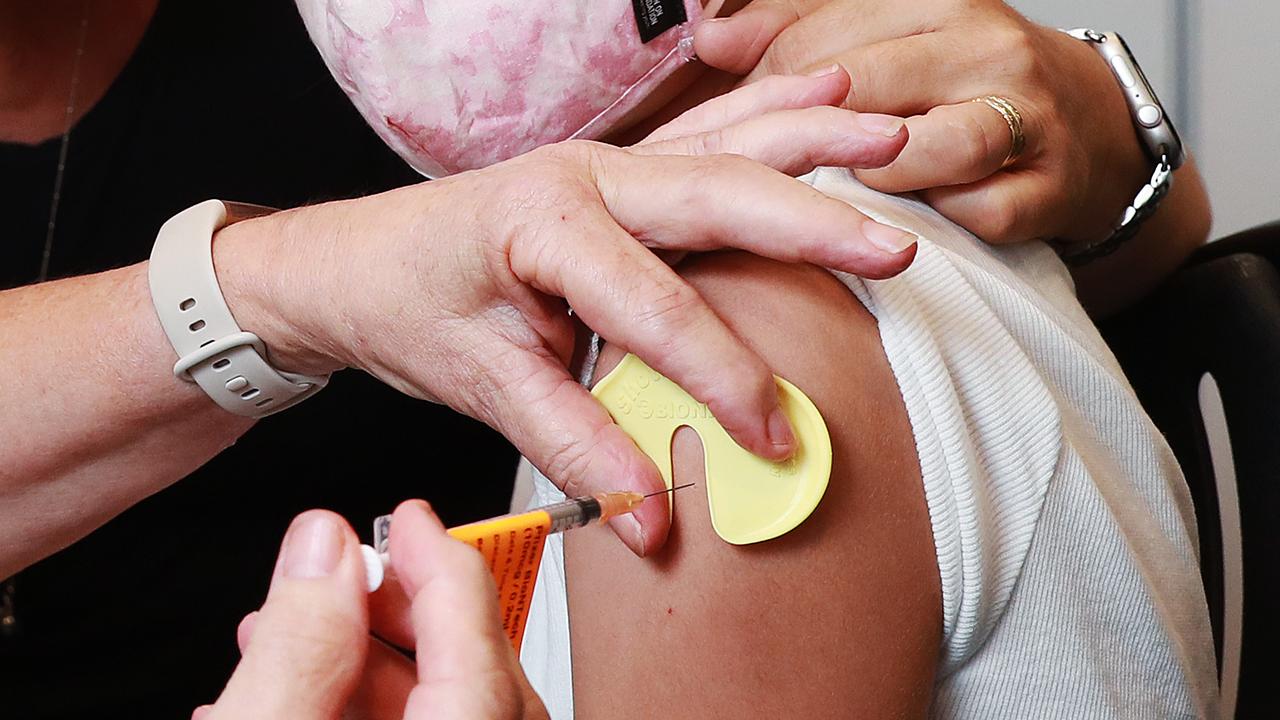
{"type": "Point", "coordinates": [1013, 119]}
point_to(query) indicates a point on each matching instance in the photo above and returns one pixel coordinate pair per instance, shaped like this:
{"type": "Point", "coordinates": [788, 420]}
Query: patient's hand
{"type": "Point", "coordinates": [927, 59]}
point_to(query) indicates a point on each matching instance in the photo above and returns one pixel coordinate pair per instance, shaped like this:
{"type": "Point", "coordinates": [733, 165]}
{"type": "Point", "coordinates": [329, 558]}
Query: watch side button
{"type": "Point", "coordinates": [237, 383]}
{"type": "Point", "coordinates": [1150, 115]}
{"type": "Point", "coordinates": [1122, 71]}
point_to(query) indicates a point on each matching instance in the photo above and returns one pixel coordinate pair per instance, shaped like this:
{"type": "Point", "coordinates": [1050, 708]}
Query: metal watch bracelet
{"type": "Point", "coordinates": [1154, 129]}
{"type": "Point", "coordinates": [1143, 206]}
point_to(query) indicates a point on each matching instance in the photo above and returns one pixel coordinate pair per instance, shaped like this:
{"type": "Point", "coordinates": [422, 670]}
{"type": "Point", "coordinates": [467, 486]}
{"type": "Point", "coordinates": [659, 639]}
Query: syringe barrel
{"type": "Point", "coordinates": [567, 515]}
{"type": "Point", "coordinates": [572, 513]}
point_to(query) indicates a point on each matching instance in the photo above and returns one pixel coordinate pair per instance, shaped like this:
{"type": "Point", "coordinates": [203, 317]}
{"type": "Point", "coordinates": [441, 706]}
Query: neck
{"type": "Point", "coordinates": [38, 46]}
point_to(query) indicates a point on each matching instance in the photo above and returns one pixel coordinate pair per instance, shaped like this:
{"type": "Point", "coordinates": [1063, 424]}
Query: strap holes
{"type": "Point", "coordinates": [221, 364]}
{"type": "Point", "coordinates": [196, 326]}
{"type": "Point", "coordinates": [187, 304]}
{"type": "Point", "coordinates": [250, 394]}
{"type": "Point", "coordinates": [264, 403]}
{"type": "Point", "coordinates": [207, 342]}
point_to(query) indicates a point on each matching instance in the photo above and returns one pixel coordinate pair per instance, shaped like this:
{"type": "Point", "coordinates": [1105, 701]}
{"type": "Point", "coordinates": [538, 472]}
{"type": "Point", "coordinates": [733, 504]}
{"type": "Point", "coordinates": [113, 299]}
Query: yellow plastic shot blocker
{"type": "Point", "coordinates": [751, 499]}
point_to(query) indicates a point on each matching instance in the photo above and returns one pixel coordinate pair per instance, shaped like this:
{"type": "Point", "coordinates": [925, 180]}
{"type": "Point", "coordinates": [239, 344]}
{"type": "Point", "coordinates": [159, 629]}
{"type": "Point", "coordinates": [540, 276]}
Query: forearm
{"type": "Point", "coordinates": [93, 419]}
{"type": "Point", "coordinates": [1179, 226]}
{"type": "Point", "coordinates": [453, 291]}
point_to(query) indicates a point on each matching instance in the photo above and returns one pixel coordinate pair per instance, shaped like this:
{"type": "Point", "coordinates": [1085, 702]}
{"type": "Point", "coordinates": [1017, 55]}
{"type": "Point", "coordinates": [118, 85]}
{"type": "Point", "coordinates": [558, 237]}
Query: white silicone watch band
{"type": "Point", "coordinates": [228, 363]}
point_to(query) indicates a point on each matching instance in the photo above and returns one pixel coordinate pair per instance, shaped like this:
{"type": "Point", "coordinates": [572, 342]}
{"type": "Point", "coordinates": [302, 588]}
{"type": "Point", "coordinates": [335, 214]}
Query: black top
{"type": "Point", "coordinates": [221, 100]}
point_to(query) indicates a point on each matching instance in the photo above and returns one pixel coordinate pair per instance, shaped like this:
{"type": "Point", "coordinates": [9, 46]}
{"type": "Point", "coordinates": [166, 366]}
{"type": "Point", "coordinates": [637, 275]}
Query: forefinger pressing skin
{"type": "Point", "coordinates": [627, 294]}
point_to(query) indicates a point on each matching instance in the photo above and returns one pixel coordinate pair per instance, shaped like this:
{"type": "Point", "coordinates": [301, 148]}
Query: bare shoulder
{"type": "Point", "coordinates": [840, 617]}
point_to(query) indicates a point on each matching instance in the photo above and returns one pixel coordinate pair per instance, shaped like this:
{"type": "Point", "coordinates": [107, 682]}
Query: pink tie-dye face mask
{"type": "Point", "coordinates": [453, 85]}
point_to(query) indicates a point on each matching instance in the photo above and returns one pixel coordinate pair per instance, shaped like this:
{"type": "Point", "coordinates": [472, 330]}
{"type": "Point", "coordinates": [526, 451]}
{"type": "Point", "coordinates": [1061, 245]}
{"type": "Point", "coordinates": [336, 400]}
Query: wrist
{"type": "Point", "coordinates": [1146, 146]}
{"type": "Point", "coordinates": [1121, 166]}
{"type": "Point", "coordinates": [272, 293]}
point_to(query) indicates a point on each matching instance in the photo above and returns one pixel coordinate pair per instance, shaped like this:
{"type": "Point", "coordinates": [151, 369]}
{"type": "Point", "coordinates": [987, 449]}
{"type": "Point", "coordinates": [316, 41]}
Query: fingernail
{"type": "Point", "coordinates": [886, 125]}
{"type": "Point", "coordinates": [426, 509]}
{"type": "Point", "coordinates": [780, 429]}
{"type": "Point", "coordinates": [831, 69]}
{"type": "Point", "coordinates": [421, 507]}
{"type": "Point", "coordinates": [889, 239]}
{"type": "Point", "coordinates": [313, 547]}
{"type": "Point", "coordinates": [375, 567]}
{"type": "Point", "coordinates": [244, 631]}
{"type": "Point", "coordinates": [629, 531]}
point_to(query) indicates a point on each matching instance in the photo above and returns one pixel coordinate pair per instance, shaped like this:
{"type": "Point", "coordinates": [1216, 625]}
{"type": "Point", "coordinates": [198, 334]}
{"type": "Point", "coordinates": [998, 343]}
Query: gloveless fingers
{"type": "Point", "coordinates": [728, 201]}
{"type": "Point", "coordinates": [809, 42]}
{"type": "Point", "coordinates": [1006, 207]}
{"type": "Point", "coordinates": [950, 145]}
{"type": "Point", "coordinates": [777, 92]}
{"type": "Point", "coordinates": [308, 642]}
{"type": "Point", "coordinates": [624, 292]}
{"type": "Point", "coordinates": [743, 42]}
{"type": "Point", "coordinates": [914, 74]}
{"type": "Point", "coordinates": [569, 435]}
{"type": "Point", "coordinates": [796, 141]}
{"type": "Point", "coordinates": [466, 667]}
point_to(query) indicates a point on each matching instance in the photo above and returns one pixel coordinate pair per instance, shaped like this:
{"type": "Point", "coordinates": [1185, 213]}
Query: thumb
{"type": "Point", "coordinates": [311, 636]}
{"type": "Point", "coordinates": [735, 44]}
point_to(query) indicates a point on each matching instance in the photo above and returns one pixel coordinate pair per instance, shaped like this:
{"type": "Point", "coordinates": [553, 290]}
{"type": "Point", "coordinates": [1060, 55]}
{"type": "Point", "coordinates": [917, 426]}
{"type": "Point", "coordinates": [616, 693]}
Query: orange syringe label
{"type": "Point", "coordinates": [512, 548]}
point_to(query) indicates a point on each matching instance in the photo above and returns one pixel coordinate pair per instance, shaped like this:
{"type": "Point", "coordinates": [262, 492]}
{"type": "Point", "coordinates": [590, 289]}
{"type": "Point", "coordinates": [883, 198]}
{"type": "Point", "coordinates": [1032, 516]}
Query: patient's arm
{"type": "Point", "coordinates": [840, 617]}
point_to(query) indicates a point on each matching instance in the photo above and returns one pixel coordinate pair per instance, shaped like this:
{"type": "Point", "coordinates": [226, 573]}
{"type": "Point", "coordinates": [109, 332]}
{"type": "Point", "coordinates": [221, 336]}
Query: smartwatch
{"type": "Point", "coordinates": [1156, 132]}
{"type": "Point", "coordinates": [229, 364]}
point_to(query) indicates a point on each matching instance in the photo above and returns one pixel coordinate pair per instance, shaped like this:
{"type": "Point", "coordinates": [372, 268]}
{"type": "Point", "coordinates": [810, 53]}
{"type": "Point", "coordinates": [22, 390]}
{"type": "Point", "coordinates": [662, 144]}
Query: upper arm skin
{"type": "Point", "coordinates": [840, 617]}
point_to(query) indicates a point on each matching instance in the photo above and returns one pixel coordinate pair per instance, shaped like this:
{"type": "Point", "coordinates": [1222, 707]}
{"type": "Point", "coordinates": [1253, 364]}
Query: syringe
{"type": "Point", "coordinates": [531, 525]}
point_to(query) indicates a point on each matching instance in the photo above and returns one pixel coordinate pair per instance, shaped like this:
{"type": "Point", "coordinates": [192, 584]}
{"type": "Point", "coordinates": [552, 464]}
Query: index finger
{"type": "Point", "coordinates": [624, 292]}
{"type": "Point", "coordinates": [568, 434]}
{"type": "Point", "coordinates": [453, 600]}
{"type": "Point", "coordinates": [466, 667]}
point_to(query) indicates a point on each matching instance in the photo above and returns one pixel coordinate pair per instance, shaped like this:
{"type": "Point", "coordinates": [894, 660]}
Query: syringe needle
{"type": "Point", "coordinates": [559, 517]}
{"type": "Point", "coordinates": [671, 490]}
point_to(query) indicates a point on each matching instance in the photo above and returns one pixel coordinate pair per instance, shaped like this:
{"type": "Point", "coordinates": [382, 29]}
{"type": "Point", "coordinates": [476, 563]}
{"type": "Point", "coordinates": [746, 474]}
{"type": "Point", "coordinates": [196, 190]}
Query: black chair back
{"type": "Point", "coordinates": [1219, 316]}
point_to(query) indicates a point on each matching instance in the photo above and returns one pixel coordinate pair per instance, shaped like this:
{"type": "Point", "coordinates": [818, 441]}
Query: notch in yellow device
{"type": "Point", "coordinates": [751, 499]}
